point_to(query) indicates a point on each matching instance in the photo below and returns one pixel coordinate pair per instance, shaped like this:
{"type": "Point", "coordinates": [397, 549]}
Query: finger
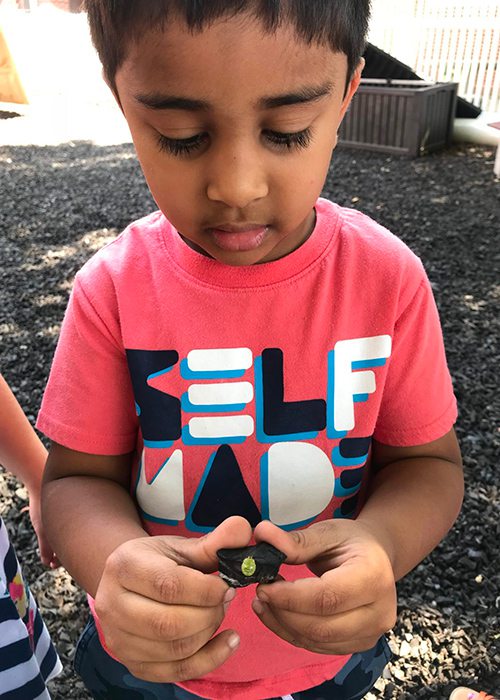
{"type": "Point", "coordinates": [370, 620]}
{"type": "Point", "coordinates": [45, 557]}
{"type": "Point", "coordinates": [201, 552]}
{"type": "Point", "coordinates": [46, 551]}
{"type": "Point", "coordinates": [129, 648]}
{"type": "Point", "coordinates": [207, 659]}
{"type": "Point", "coordinates": [339, 590]}
{"type": "Point", "coordinates": [152, 575]}
{"type": "Point", "coordinates": [300, 546]}
{"type": "Point", "coordinates": [322, 642]}
{"type": "Point", "coordinates": [54, 562]}
{"type": "Point", "coordinates": [159, 621]}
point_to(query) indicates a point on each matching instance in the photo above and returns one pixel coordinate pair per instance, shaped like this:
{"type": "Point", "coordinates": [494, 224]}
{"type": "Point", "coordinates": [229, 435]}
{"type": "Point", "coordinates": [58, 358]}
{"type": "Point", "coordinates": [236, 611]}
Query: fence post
{"type": "Point", "coordinates": [450, 41]}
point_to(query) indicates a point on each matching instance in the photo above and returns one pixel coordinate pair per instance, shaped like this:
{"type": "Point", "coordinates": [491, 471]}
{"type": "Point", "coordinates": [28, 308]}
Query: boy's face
{"type": "Point", "coordinates": [234, 129]}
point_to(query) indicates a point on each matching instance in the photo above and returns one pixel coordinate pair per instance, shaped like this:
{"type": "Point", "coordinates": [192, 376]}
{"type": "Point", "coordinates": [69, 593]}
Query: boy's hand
{"type": "Point", "coordinates": [159, 605]}
{"type": "Point", "coordinates": [351, 603]}
{"type": "Point", "coordinates": [47, 555]}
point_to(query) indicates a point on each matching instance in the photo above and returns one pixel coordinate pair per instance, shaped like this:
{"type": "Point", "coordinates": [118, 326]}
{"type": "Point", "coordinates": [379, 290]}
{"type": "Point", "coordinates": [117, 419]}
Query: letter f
{"type": "Point", "coordinates": [353, 382]}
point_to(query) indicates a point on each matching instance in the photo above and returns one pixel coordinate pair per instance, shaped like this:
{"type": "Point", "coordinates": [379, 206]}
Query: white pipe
{"type": "Point", "coordinates": [476, 131]}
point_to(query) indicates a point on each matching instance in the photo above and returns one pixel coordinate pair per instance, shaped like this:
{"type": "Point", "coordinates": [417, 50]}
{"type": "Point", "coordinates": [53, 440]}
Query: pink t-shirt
{"type": "Point", "coordinates": [252, 391]}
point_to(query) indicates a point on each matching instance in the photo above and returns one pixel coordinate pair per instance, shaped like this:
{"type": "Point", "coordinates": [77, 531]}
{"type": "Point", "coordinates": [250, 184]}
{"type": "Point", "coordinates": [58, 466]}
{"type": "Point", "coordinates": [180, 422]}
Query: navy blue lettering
{"type": "Point", "coordinates": [350, 478]}
{"type": "Point", "coordinates": [214, 503]}
{"type": "Point", "coordinates": [354, 447]}
{"type": "Point", "coordinates": [159, 413]}
{"type": "Point", "coordinates": [281, 417]}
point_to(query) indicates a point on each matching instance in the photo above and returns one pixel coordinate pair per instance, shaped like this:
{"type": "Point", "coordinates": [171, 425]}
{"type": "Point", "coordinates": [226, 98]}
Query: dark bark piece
{"type": "Point", "coordinates": [243, 566]}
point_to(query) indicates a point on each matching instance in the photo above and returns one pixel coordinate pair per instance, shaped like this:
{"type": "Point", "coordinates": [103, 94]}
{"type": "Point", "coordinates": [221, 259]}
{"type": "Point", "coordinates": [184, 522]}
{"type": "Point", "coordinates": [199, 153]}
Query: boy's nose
{"type": "Point", "coordinates": [237, 182]}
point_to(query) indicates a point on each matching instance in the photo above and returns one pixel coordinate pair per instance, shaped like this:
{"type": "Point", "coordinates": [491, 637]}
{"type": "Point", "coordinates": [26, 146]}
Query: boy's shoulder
{"type": "Point", "coordinates": [368, 245]}
{"type": "Point", "coordinates": [363, 232]}
{"type": "Point", "coordinates": [133, 246]}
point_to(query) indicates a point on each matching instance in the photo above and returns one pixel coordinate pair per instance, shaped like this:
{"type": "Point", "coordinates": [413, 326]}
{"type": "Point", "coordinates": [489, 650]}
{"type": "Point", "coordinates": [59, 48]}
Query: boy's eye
{"type": "Point", "coordinates": [294, 139]}
{"type": "Point", "coordinates": [181, 147]}
{"type": "Point", "coordinates": [284, 140]}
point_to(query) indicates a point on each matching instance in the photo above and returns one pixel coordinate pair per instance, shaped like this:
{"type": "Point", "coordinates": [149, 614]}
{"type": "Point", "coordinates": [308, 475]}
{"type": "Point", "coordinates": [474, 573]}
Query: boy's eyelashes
{"type": "Point", "coordinates": [181, 147]}
{"type": "Point", "coordinates": [285, 141]}
{"type": "Point", "coordinates": [289, 140]}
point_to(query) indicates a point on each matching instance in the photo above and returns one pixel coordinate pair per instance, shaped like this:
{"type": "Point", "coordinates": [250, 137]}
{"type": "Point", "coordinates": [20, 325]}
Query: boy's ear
{"type": "Point", "coordinates": [351, 88]}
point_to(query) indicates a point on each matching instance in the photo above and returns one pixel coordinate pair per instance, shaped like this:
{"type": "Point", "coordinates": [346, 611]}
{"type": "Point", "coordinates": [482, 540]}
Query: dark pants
{"type": "Point", "coordinates": [106, 679]}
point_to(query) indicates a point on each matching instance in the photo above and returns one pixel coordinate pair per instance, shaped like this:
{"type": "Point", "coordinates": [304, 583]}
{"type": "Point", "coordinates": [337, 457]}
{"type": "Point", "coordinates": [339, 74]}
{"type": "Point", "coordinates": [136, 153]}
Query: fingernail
{"type": "Point", "coordinates": [230, 593]}
{"type": "Point", "coordinates": [233, 641]}
{"type": "Point", "coordinates": [262, 597]}
{"type": "Point", "coordinates": [257, 606]}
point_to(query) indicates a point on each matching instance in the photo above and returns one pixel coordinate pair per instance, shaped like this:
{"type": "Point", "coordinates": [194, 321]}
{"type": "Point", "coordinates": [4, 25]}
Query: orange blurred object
{"type": "Point", "coordinates": [11, 88]}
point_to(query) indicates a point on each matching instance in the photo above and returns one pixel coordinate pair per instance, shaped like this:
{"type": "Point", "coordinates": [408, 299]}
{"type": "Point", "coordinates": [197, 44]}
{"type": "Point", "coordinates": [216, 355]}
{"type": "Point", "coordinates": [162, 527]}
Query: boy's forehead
{"type": "Point", "coordinates": [228, 55]}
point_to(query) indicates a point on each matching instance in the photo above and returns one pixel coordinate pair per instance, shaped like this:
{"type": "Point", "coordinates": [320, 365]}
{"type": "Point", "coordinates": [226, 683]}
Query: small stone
{"type": "Point", "coordinates": [22, 493]}
{"type": "Point", "coordinates": [404, 649]}
{"type": "Point", "coordinates": [386, 673]}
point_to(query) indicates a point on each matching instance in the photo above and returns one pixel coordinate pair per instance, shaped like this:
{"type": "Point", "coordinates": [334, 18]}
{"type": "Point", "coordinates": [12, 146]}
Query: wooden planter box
{"type": "Point", "coordinates": [407, 117]}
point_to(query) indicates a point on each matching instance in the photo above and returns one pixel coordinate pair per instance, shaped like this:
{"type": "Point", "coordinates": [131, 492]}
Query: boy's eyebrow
{"type": "Point", "coordinates": [304, 94]}
{"type": "Point", "coordinates": [159, 101]}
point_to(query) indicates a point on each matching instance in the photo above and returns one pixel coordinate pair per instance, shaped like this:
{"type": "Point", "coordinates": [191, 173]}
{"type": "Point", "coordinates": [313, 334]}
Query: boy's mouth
{"type": "Point", "coordinates": [242, 238]}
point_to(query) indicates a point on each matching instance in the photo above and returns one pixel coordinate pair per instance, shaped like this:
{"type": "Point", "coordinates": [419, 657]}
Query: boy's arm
{"type": "Point", "coordinates": [414, 499]}
{"type": "Point", "coordinates": [158, 605]}
{"type": "Point", "coordinates": [87, 510]}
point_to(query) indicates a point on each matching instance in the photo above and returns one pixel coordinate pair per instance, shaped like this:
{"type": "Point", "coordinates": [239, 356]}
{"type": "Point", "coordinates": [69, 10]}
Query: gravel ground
{"type": "Point", "coordinates": [60, 203]}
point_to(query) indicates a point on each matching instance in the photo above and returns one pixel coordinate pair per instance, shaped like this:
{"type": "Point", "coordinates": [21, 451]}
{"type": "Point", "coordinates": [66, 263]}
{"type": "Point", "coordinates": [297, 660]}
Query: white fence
{"type": "Point", "coordinates": [441, 40]}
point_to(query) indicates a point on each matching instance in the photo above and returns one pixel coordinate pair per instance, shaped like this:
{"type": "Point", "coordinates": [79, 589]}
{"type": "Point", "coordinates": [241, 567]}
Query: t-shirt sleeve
{"type": "Point", "coordinates": [88, 405]}
{"type": "Point", "coordinates": [418, 403]}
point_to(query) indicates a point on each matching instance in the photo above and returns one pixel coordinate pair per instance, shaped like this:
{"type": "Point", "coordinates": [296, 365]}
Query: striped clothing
{"type": "Point", "coordinates": [27, 656]}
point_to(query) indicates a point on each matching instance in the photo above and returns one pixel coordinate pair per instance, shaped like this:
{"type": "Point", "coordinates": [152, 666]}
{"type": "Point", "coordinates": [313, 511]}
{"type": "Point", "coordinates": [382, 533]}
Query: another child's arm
{"type": "Point", "coordinates": [415, 497]}
{"type": "Point", "coordinates": [157, 604]}
{"type": "Point", "coordinates": [22, 453]}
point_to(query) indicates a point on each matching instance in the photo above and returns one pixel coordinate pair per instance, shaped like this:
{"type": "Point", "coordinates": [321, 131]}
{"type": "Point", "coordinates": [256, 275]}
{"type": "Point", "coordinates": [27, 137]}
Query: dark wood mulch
{"type": "Point", "coordinates": [7, 114]}
{"type": "Point", "coordinates": [59, 204]}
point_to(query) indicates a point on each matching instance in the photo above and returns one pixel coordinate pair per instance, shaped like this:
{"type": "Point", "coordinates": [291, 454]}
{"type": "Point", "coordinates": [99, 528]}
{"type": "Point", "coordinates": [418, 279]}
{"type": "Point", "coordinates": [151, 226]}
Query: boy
{"type": "Point", "coordinates": [250, 363]}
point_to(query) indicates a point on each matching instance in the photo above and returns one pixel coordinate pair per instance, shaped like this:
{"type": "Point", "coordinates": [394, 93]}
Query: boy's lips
{"type": "Point", "coordinates": [235, 238]}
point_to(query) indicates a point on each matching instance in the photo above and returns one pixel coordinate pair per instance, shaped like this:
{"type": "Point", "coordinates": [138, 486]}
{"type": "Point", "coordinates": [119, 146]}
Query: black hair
{"type": "Point", "coordinates": [340, 24]}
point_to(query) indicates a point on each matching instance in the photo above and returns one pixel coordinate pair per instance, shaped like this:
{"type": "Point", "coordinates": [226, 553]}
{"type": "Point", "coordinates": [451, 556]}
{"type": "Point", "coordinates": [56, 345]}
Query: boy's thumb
{"type": "Point", "coordinates": [201, 552]}
{"type": "Point", "coordinates": [300, 546]}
